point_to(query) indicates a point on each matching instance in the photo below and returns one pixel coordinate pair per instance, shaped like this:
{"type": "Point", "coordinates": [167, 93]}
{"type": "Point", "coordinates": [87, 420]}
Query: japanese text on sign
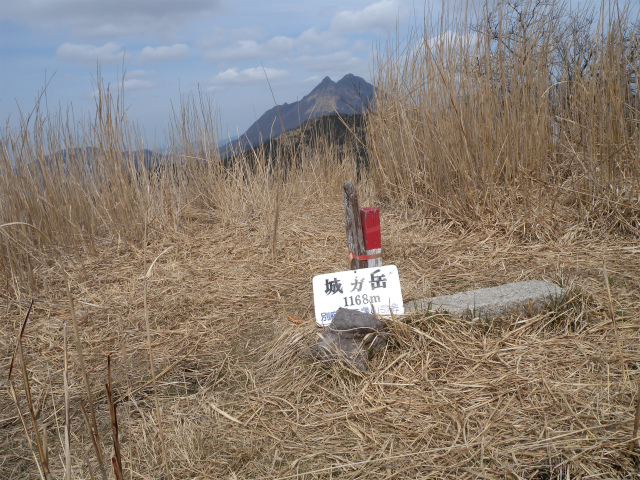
{"type": "Point", "coordinates": [370, 290]}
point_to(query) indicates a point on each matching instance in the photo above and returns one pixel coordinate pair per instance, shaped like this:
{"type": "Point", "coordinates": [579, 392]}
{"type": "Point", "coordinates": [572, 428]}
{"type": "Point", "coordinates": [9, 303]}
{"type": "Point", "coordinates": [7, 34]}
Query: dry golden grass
{"type": "Point", "coordinates": [472, 195]}
{"type": "Point", "coordinates": [527, 115]}
{"type": "Point", "coordinates": [447, 399]}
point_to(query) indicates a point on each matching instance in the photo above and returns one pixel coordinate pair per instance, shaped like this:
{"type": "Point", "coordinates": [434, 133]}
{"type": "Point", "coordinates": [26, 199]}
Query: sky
{"type": "Point", "coordinates": [169, 49]}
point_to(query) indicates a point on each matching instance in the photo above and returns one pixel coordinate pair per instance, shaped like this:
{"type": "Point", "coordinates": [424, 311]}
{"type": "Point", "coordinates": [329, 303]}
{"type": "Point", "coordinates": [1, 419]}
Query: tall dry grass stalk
{"type": "Point", "coordinates": [42, 458]}
{"type": "Point", "coordinates": [150, 349]}
{"type": "Point", "coordinates": [65, 380]}
{"type": "Point", "coordinates": [525, 115]}
{"type": "Point", "coordinates": [92, 426]}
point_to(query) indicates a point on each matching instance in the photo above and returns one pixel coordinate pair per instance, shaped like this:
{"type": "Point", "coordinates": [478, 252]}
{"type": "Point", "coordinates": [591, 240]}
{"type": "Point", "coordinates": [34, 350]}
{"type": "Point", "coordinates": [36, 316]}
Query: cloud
{"type": "Point", "coordinates": [248, 75]}
{"type": "Point", "coordinates": [115, 18]}
{"type": "Point", "coordinates": [311, 40]}
{"type": "Point", "coordinates": [81, 53]}
{"type": "Point", "coordinates": [281, 44]}
{"type": "Point", "coordinates": [379, 17]}
{"type": "Point", "coordinates": [217, 37]}
{"type": "Point", "coordinates": [250, 49]}
{"type": "Point", "coordinates": [239, 50]}
{"type": "Point", "coordinates": [137, 84]}
{"type": "Point", "coordinates": [342, 61]}
{"type": "Point", "coordinates": [314, 39]}
{"type": "Point", "coordinates": [450, 38]}
{"type": "Point", "coordinates": [235, 45]}
{"type": "Point", "coordinates": [132, 82]}
{"type": "Point", "coordinates": [159, 54]}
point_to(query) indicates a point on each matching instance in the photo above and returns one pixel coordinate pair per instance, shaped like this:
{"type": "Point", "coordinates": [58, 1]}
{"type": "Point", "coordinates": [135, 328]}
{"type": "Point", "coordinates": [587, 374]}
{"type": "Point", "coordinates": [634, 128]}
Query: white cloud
{"type": "Point", "coordinates": [235, 45]}
{"type": "Point", "coordinates": [314, 39]}
{"type": "Point", "coordinates": [136, 84]}
{"type": "Point", "coordinates": [281, 44]}
{"type": "Point", "coordinates": [450, 38]}
{"type": "Point", "coordinates": [115, 18]}
{"type": "Point", "coordinates": [336, 62]}
{"type": "Point", "coordinates": [128, 85]}
{"type": "Point", "coordinates": [82, 53]}
{"type": "Point", "coordinates": [379, 17]}
{"type": "Point", "coordinates": [217, 37]}
{"type": "Point", "coordinates": [250, 49]}
{"type": "Point", "coordinates": [158, 54]}
{"type": "Point", "coordinates": [240, 50]}
{"type": "Point", "coordinates": [311, 40]}
{"type": "Point", "coordinates": [248, 75]}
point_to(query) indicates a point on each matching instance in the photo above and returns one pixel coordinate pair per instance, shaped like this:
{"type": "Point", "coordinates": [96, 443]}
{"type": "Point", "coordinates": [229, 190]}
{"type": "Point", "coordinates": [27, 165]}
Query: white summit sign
{"type": "Point", "coordinates": [370, 290]}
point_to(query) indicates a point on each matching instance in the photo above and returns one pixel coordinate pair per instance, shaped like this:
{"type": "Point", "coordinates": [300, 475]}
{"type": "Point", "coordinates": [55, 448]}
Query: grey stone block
{"type": "Point", "coordinates": [495, 301]}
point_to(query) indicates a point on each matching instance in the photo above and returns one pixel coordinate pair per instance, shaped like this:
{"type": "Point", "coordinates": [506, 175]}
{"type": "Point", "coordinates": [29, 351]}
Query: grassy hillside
{"type": "Point", "coordinates": [506, 152]}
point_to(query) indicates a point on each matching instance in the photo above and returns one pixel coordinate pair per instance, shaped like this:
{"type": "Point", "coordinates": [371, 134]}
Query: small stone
{"type": "Point", "coordinates": [349, 338]}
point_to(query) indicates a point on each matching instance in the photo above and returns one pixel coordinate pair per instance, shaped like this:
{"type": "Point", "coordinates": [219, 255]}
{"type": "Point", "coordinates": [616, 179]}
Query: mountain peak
{"type": "Point", "coordinates": [350, 95]}
{"type": "Point", "coordinates": [351, 81]}
{"type": "Point", "coordinates": [325, 84]}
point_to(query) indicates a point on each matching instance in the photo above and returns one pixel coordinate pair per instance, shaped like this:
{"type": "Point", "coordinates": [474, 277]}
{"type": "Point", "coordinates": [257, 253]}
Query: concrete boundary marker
{"type": "Point", "coordinates": [516, 297]}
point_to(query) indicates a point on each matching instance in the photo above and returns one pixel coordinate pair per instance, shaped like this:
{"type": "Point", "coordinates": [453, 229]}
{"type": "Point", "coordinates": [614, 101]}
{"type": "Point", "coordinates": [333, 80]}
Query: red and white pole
{"type": "Point", "coordinates": [370, 218]}
{"type": "Point", "coordinates": [363, 231]}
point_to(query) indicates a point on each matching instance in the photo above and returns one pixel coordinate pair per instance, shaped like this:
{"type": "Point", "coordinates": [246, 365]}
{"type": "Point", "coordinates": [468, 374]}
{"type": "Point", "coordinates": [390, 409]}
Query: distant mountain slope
{"type": "Point", "coordinates": [350, 95]}
{"type": "Point", "coordinates": [344, 133]}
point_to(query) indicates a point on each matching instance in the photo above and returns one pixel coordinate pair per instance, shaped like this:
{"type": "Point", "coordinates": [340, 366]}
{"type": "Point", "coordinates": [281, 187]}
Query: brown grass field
{"type": "Point", "coordinates": [510, 157]}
